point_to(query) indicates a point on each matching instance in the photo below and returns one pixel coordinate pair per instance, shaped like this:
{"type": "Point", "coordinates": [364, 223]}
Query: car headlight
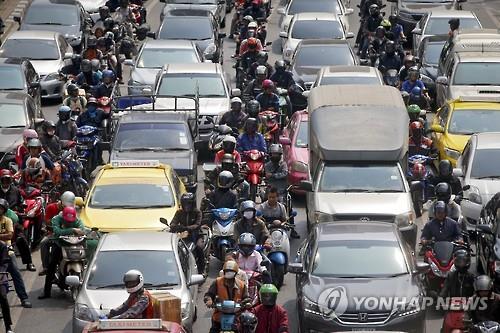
{"type": "Point", "coordinates": [83, 312]}
{"type": "Point", "coordinates": [185, 311]}
{"type": "Point", "coordinates": [299, 167]}
{"type": "Point", "coordinates": [52, 76]}
{"type": "Point", "coordinates": [454, 154]}
{"type": "Point", "coordinates": [320, 217]}
{"type": "Point", "coordinates": [311, 306]}
{"type": "Point", "coordinates": [408, 310]}
{"type": "Point", "coordinates": [405, 219]}
{"type": "Point", "coordinates": [211, 49]}
{"type": "Point", "coordinates": [426, 80]}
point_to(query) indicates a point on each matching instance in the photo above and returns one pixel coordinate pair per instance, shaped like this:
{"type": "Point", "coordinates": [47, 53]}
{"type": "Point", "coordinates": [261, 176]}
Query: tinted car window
{"type": "Point", "coordinates": [159, 136]}
{"type": "Point", "coordinates": [485, 164]}
{"type": "Point", "coordinates": [209, 85]}
{"type": "Point", "coordinates": [322, 55]}
{"type": "Point", "coordinates": [11, 78]}
{"type": "Point", "coordinates": [191, 28]}
{"type": "Point", "coordinates": [440, 26]}
{"type": "Point", "coordinates": [302, 135]}
{"type": "Point", "coordinates": [320, 6]}
{"type": "Point", "coordinates": [339, 80]}
{"type": "Point", "coordinates": [12, 116]}
{"type": "Point", "coordinates": [317, 29]}
{"type": "Point", "coordinates": [35, 49]}
{"type": "Point", "coordinates": [432, 52]}
{"type": "Point", "coordinates": [474, 121]}
{"type": "Point", "coordinates": [52, 15]}
{"type": "Point", "coordinates": [132, 195]}
{"type": "Point", "coordinates": [158, 268]}
{"type": "Point", "coordinates": [156, 58]}
{"type": "Point", "coordinates": [477, 73]}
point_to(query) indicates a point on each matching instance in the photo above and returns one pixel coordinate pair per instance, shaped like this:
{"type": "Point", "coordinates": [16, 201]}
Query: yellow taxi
{"type": "Point", "coordinates": [132, 195]}
{"type": "Point", "coordinates": [458, 119]}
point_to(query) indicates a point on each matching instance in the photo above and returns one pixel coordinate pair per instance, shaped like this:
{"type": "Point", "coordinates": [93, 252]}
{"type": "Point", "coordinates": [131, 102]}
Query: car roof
{"type": "Point", "coordinates": [33, 34]}
{"type": "Point", "coordinates": [204, 67]}
{"type": "Point", "coordinates": [487, 140]}
{"type": "Point", "coordinates": [434, 38]}
{"type": "Point", "coordinates": [357, 230]}
{"type": "Point", "coordinates": [12, 97]}
{"type": "Point", "coordinates": [325, 42]}
{"type": "Point", "coordinates": [138, 241]}
{"type": "Point", "coordinates": [316, 16]}
{"type": "Point", "coordinates": [451, 13]}
{"type": "Point", "coordinates": [168, 44]}
{"type": "Point", "coordinates": [110, 175]}
{"type": "Point", "coordinates": [160, 117]}
{"type": "Point", "coordinates": [476, 103]}
{"type": "Point", "coordinates": [350, 70]}
{"type": "Point", "coordinates": [466, 56]}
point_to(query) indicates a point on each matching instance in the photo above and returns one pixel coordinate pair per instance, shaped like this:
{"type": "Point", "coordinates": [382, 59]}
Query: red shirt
{"type": "Point", "coordinates": [21, 153]}
{"type": "Point", "coordinates": [271, 320]}
{"type": "Point", "coordinates": [220, 154]}
{"type": "Point", "coordinates": [51, 210]}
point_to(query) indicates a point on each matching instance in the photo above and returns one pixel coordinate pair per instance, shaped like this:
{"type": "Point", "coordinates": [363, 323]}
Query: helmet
{"type": "Point", "coordinates": [267, 84]}
{"type": "Point", "coordinates": [133, 281]}
{"type": "Point", "coordinates": [268, 294]}
{"type": "Point", "coordinates": [418, 171]}
{"type": "Point", "coordinates": [483, 283]}
{"type": "Point", "coordinates": [445, 168]}
{"type": "Point", "coordinates": [86, 65]}
{"type": "Point", "coordinates": [251, 125]}
{"type": "Point", "coordinates": [252, 43]}
{"type": "Point", "coordinates": [373, 10]}
{"type": "Point", "coordinates": [92, 100]}
{"type": "Point", "coordinates": [380, 31]}
{"type": "Point", "coordinates": [393, 19]}
{"type": "Point", "coordinates": [262, 57]}
{"type": "Point", "coordinates": [409, 59]}
{"type": "Point", "coordinates": [64, 112]}
{"type": "Point", "coordinates": [413, 70]}
{"type": "Point", "coordinates": [416, 92]}
{"type": "Point", "coordinates": [252, 25]}
{"type": "Point", "coordinates": [454, 23]}
{"type": "Point", "coordinates": [71, 88]}
{"type": "Point", "coordinates": [96, 64]}
{"type": "Point", "coordinates": [248, 18]}
{"type": "Point", "coordinates": [440, 206]}
{"type": "Point", "coordinates": [275, 149]}
{"type": "Point", "coordinates": [91, 41]}
{"type": "Point", "coordinates": [443, 192]}
{"type": "Point", "coordinates": [69, 214]}
{"type": "Point", "coordinates": [48, 125]}
{"type": "Point", "coordinates": [390, 47]}
{"type": "Point", "coordinates": [236, 101]}
{"type": "Point", "coordinates": [34, 143]}
{"type": "Point", "coordinates": [280, 65]}
{"type": "Point", "coordinates": [34, 166]}
{"type": "Point", "coordinates": [142, 31]}
{"type": "Point", "coordinates": [30, 134]}
{"type": "Point", "coordinates": [104, 11]}
{"type": "Point", "coordinates": [248, 322]}
{"type": "Point", "coordinates": [231, 265]}
{"type": "Point", "coordinates": [416, 128]}
{"type": "Point", "coordinates": [109, 23]}
{"type": "Point", "coordinates": [108, 74]}
{"type": "Point", "coordinates": [246, 243]}
{"type": "Point", "coordinates": [229, 144]}
{"type": "Point", "coordinates": [68, 199]}
{"type": "Point", "coordinates": [225, 179]}
{"type": "Point", "coordinates": [386, 24]}
{"type": "Point", "coordinates": [188, 201]}
{"type": "Point", "coordinates": [462, 260]}
{"type": "Point", "coordinates": [5, 177]}
{"type": "Point", "coordinates": [253, 108]}
{"type": "Point", "coordinates": [4, 204]}
{"type": "Point", "coordinates": [413, 109]}
{"type": "Point", "coordinates": [228, 161]}
{"type": "Point", "coordinates": [261, 70]}
{"type": "Point", "coordinates": [247, 205]}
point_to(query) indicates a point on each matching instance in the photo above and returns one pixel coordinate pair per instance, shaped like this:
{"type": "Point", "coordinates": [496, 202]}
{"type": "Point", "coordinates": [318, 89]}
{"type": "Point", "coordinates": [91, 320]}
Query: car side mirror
{"type": "Point", "coordinates": [457, 172]}
{"type": "Point", "coordinates": [128, 62]}
{"type": "Point", "coordinates": [349, 11]}
{"type": "Point", "coordinates": [283, 34]}
{"type": "Point", "coordinates": [17, 19]}
{"type": "Point", "coordinates": [68, 55]}
{"type": "Point", "coordinates": [196, 279]}
{"type": "Point", "coordinates": [72, 281]}
{"type": "Point", "coordinates": [147, 91]}
{"type": "Point", "coordinates": [306, 93]}
{"type": "Point", "coordinates": [34, 84]}
{"type": "Point", "coordinates": [235, 92]}
{"type": "Point", "coordinates": [306, 185]}
{"type": "Point", "coordinates": [416, 31]}
{"type": "Point", "coordinates": [164, 221]}
{"type": "Point", "coordinates": [296, 268]}
{"type": "Point", "coordinates": [422, 267]}
{"type": "Point", "coordinates": [79, 202]}
{"type": "Point", "coordinates": [285, 141]}
{"type": "Point", "coordinates": [443, 80]}
{"type": "Point", "coordinates": [415, 186]}
{"type": "Point", "coordinates": [281, 11]}
{"type": "Point", "coordinates": [349, 35]}
{"type": "Point", "coordinates": [484, 228]}
{"type": "Point", "coordinates": [151, 35]}
{"type": "Point", "coordinates": [437, 128]}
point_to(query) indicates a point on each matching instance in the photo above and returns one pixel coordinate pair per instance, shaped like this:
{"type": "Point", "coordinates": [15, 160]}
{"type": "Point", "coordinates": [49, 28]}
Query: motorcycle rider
{"type": "Point", "coordinates": [35, 150]}
{"type": "Point", "coordinates": [267, 99]}
{"type": "Point", "coordinates": [445, 174]}
{"type": "Point", "coordinates": [65, 127]}
{"type": "Point", "coordinates": [408, 62]}
{"type": "Point", "coordinates": [234, 118]}
{"type": "Point", "coordinates": [222, 196]}
{"type": "Point", "coordinates": [413, 80]}
{"type": "Point", "coordinates": [251, 32]}
{"type": "Point", "coordinates": [93, 116]}
{"type": "Point", "coordinates": [9, 191]}
{"type": "Point", "coordinates": [139, 304]}
{"type": "Point", "coordinates": [251, 139]}
{"type": "Point", "coordinates": [228, 163]}
{"type": "Point", "coordinates": [377, 44]}
{"type": "Point", "coordinates": [269, 309]}
{"type": "Point", "coordinates": [228, 147]}
{"type": "Point", "coordinates": [460, 282]}
{"type": "Point", "coordinates": [255, 87]}
{"type": "Point", "coordinates": [252, 108]}
{"type": "Point", "coordinates": [250, 223]}
{"type": "Point", "coordinates": [418, 143]}
{"type": "Point", "coordinates": [272, 210]}
{"type": "Point", "coordinates": [483, 287]}
{"type": "Point", "coordinates": [123, 13]}
{"type": "Point", "coordinates": [107, 85]}
{"type": "Point", "coordinates": [441, 227]}
{"type": "Point", "coordinates": [224, 288]}
{"type": "Point", "coordinates": [87, 79]}
{"type": "Point", "coordinates": [63, 224]}
{"type": "Point", "coordinates": [104, 13]}
{"type": "Point", "coordinates": [4, 302]}
{"type": "Point", "coordinates": [389, 60]}
{"type": "Point", "coordinates": [6, 233]}
{"type": "Point", "coordinates": [22, 150]}
{"type": "Point", "coordinates": [418, 98]}
{"type": "Point", "coordinates": [414, 113]}
{"type": "Point", "coordinates": [248, 258]}
{"type": "Point", "coordinates": [281, 77]}
{"type": "Point", "coordinates": [454, 25]}
{"type": "Point", "coordinates": [75, 101]}
{"type": "Point", "coordinates": [260, 60]}
{"type": "Point", "coordinates": [256, 10]}
{"type": "Point", "coordinates": [92, 52]}
{"type": "Point", "coordinates": [443, 193]}
{"type": "Point", "coordinates": [52, 145]}
{"type": "Point", "coordinates": [276, 168]}
{"type": "Point", "coordinates": [397, 30]}
{"type": "Point", "coordinates": [188, 218]}
{"type": "Point", "coordinates": [370, 25]}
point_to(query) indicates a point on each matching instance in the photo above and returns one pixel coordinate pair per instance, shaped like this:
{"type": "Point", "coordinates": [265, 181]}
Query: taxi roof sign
{"type": "Point", "coordinates": [135, 164]}
{"type": "Point", "coordinates": [130, 324]}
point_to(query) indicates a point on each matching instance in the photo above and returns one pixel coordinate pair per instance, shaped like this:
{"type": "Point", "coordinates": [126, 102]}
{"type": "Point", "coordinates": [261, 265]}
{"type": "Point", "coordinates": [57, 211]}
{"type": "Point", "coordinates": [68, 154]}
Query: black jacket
{"type": "Point", "coordinates": [458, 285]}
{"type": "Point", "coordinates": [13, 197]}
{"type": "Point", "coordinates": [190, 221]}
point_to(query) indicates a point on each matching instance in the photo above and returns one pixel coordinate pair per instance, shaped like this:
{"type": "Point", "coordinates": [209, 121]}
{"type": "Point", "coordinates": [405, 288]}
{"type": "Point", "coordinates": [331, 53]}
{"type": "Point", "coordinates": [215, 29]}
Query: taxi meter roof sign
{"type": "Point", "coordinates": [130, 324]}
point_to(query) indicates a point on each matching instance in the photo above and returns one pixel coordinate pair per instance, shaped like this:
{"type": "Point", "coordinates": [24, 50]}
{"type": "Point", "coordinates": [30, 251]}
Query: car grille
{"type": "Point", "coordinates": [364, 318]}
{"type": "Point", "coordinates": [489, 92]}
{"type": "Point", "coordinates": [363, 217]}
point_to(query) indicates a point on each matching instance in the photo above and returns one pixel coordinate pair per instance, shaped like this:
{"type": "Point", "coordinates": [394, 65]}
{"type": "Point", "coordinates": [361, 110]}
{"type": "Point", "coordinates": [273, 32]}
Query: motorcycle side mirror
{"type": "Point", "coordinates": [72, 281]}
{"type": "Point", "coordinates": [269, 43]}
{"type": "Point", "coordinates": [164, 221]}
{"type": "Point", "coordinates": [421, 267]}
{"type": "Point", "coordinates": [196, 279]}
{"type": "Point", "coordinates": [79, 202]}
{"type": "Point", "coordinates": [466, 188]}
{"type": "Point", "coordinates": [151, 35]}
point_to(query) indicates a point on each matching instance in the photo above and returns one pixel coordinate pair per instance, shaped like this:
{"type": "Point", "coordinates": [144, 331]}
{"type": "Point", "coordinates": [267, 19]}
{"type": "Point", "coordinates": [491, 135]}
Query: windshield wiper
{"type": "Point", "coordinates": [395, 275]}
{"type": "Point", "coordinates": [489, 177]}
{"type": "Point", "coordinates": [212, 95]}
{"type": "Point", "coordinates": [352, 276]}
{"type": "Point", "coordinates": [46, 23]}
{"type": "Point", "coordinates": [9, 89]}
{"type": "Point", "coordinates": [120, 207]}
{"type": "Point", "coordinates": [141, 149]}
{"type": "Point", "coordinates": [14, 126]}
{"type": "Point", "coordinates": [354, 190]}
{"type": "Point", "coordinates": [387, 191]}
{"type": "Point", "coordinates": [116, 285]}
{"type": "Point", "coordinates": [161, 285]}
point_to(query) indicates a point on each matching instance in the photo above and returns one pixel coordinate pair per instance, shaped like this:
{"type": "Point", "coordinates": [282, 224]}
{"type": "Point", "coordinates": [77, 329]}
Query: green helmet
{"type": "Point", "coordinates": [413, 108]}
{"type": "Point", "coordinates": [268, 294]}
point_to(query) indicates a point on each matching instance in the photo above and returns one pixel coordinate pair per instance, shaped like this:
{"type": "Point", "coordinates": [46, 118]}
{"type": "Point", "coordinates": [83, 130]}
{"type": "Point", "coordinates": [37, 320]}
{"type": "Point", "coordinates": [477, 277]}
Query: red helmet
{"type": "Point", "coordinates": [252, 42]}
{"type": "Point", "coordinates": [418, 171]}
{"type": "Point", "coordinates": [267, 84]}
{"type": "Point", "coordinates": [69, 214]}
{"type": "Point", "coordinates": [416, 125]}
{"type": "Point", "coordinates": [5, 173]}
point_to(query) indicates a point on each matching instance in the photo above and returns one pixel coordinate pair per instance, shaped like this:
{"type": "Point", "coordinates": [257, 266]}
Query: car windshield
{"type": "Point", "coordinates": [361, 178]}
{"type": "Point", "coordinates": [477, 74]}
{"type": "Point", "coordinates": [440, 25]}
{"type": "Point", "coordinates": [485, 163]}
{"type": "Point", "coordinates": [132, 195]}
{"type": "Point", "coordinates": [160, 136]}
{"type": "Point", "coordinates": [12, 116]}
{"type": "Point", "coordinates": [366, 258]}
{"type": "Point", "coordinates": [339, 80]}
{"type": "Point", "coordinates": [52, 15]}
{"type": "Point", "coordinates": [302, 135]}
{"type": "Point", "coordinates": [157, 58]}
{"type": "Point", "coordinates": [209, 85]}
{"type": "Point", "coordinates": [317, 6]}
{"type": "Point", "coordinates": [432, 53]}
{"type": "Point", "coordinates": [467, 122]}
{"type": "Point", "coordinates": [322, 55]}
{"type": "Point", "coordinates": [197, 28]}
{"type": "Point", "coordinates": [11, 78]}
{"type": "Point", "coordinates": [159, 268]}
{"type": "Point", "coordinates": [317, 29]}
{"type": "Point", "coordinates": [34, 49]}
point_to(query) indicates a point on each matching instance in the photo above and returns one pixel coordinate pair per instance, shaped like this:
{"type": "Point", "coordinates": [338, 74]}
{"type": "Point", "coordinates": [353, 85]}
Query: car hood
{"type": "Point", "coordinates": [395, 287]}
{"type": "Point", "coordinates": [458, 91]}
{"type": "Point", "coordinates": [455, 141]}
{"type": "Point", "coordinates": [44, 67]}
{"type": "Point", "coordinates": [92, 6]}
{"type": "Point", "coordinates": [179, 160]}
{"type": "Point", "coordinates": [208, 106]}
{"type": "Point", "coordinates": [208, 7]}
{"type": "Point", "coordinates": [10, 138]}
{"type": "Point", "coordinates": [362, 203]}
{"type": "Point", "coordinates": [487, 187]}
{"type": "Point", "coordinates": [423, 6]}
{"type": "Point", "coordinates": [203, 44]}
{"type": "Point", "coordinates": [145, 76]}
{"type": "Point", "coordinates": [70, 30]}
{"type": "Point", "coordinates": [429, 71]}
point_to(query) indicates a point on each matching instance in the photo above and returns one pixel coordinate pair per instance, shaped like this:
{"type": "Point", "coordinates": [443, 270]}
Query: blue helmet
{"type": "Point", "coordinates": [108, 74]}
{"type": "Point", "coordinates": [416, 91]}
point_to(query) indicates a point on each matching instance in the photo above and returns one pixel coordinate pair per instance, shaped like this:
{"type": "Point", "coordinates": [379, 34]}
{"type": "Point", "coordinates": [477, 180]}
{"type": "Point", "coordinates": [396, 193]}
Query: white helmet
{"type": "Point", "coordinates": [133, 280]}
{"type": "Point", "coordinates": [252, 25]}
{"type": "Point", "coordinates": [236, 100]}
{"type": "Point", "coordinates": [68, 199]}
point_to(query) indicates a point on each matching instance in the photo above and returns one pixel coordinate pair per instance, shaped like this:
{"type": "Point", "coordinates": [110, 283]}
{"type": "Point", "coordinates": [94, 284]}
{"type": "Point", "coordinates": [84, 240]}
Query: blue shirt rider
{"type": "Point", "coordinates": [251, 139]}
{"type": "Point", "coordinates": [413, 81]}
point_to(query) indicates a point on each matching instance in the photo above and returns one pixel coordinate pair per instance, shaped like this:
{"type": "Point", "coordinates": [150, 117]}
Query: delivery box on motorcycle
{"type": "Point", "coordinates": [167, 306]}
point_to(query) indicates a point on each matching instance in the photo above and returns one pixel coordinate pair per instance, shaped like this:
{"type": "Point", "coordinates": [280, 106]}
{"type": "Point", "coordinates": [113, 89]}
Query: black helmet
{"type": "Point", "coordinates": [4, 204]}
{"type": "Point", "coordinates": [253, 108]}
{"type": "Point", "coordinates": [445, 168]}
{"type": "Point", "coordinates": [48, 124]}
{"type": "Point", "coordinates": [443, 192]}
{"type": "Point", "coordinates": [251, 125]}
{"type": "Point", "coordinates": [188, 201]}
{"type": "Point", "coordinates": [108, 24]}
{"type": "Point", "coordinates": [72, 88]}
{"type": "Point", "coordinates": [262, 57]}
{"type": "Point", "coordinates": [142, 31]}
{"type": "Point", "coordinates": [86, 66]}
{"type": "Point", "coordinates": [104, 11]}
{"type": "Point", "coordinates": [225, 179]}
{"type": "Point", "coordinates": [440, 206]}
{"type": "Point", "coordinates": [380, 31]}
{"type": "Point", "coordinates": [229, 144]}
{"type": "Point", "coordinates": [454, 23]}
{"type": "Point", "coordinates": [227, 162]}
{"type": "Point", "coordinates": [91, 41]}
{"type": "Point", "coordinates": [374, 10]}
{"type": "Point", "coordinates": [279, 65]}
{"type": "Point", "coordinates": [462, 260]}
{"type": "Point", "coordinates": [390, 47]}
{"type": "Point", "coordinates": [248, 322]}
{"type": "Point", "coordinates": [483, 283]}
{"type": "Point", "coordinates": [393, 19]}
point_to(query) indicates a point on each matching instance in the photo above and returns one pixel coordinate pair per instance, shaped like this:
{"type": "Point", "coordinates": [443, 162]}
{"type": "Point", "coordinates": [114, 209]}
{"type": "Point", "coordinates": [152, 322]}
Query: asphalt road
{"type": "Point", "coordinates": [54, 315]}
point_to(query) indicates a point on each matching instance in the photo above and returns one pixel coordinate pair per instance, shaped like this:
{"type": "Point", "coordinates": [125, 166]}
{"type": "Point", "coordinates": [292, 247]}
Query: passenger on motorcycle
{"type": "Point", "coordinates": [92, 52]}
{"type": "Point", "coordinates": [370, 25]}
{"type": "Point", "coordinates": [104, 13]}
{"type": "Point", "coordinates": [256, 10]}
{"type": "Point", "coordinates": [223, 196]}
{"type": "Point", "coordinates": [389, 60]}
{"type": "Point", "coordinates": [414, 113]}
{"type": "Point", "coordinates": [35, 151]}
{"type": "Point", "coordinates": [87, 79]}
{"type": "Point", "coordinates": [250, 56]}
{"type": "Point", "coordinates": [76, 102]}
{"type": "Point", "coordinates": [9, 191]}
{"type": "Point", "coordinates": [227, 287]}
{"type": "Point", "coordinates": [254, 87]}
{"type": "Point", "coordinates": [65, 126]}
{"type": "Point", "coordinates": [107, 85]}
{"type": "Point", "coordinates": [234, 118]}
{"type": "Point", "coordinates": [93, 116]}
{"type": "Point", "coordinates": [419, 144]}
{"type": "Point", "coordinates": [188, 218]}
{"type": "Point", "coordinates": [250, 139]}
{"type": "Point", "coordinates": [22, 150]}
{"type": "Point", "coordinates": [261, 60]}
{"type": "Point", "coordinates": [459, 283]}
{"type": "Point", "coordinates": [445, 174]}
{"type": "Point", "coordinates": [377, 44]}
{"type": "Point", "coordinates": [267, 99]}
{"type": "Point", "coordinates": [124, 13]}
{"type": "Point", "coordinates": [276, 168]}
{"type": "Point", "coordinates": [64, 224]}
{"type": "Point", "coordinates": [441, 227]}
{"type": "Point", "coordinates": [454, 24]}
{"type": "Point", "coordinates": [269, 309]}
{"type": "Point", "coordinates": [250, 223]}
{"type": "Point", "coordinates": [242, 46]}
{"type": "Point", "coordinates": [51, 143]}
{"type": "Point", "coordinates": [408, 62]}
{"type": "Point", "coordinates": [273, 210]}
{"type": "Point", "coordinates": [397, 30]}
{"type": "Point", "coordinates": [412, 81]}
{"type": "Point", "coordinates": [248, 258]}
{"type": "Point", "coordinates": [418, 98]}
{"type": "Point", "coordinates": [4, 302]}
{"type": "Point", "coordinates": [483, 287]}
{"type": "Point", "coordinates": [139, 304]}
{"type": "Point", "coordinates": [228, 147]}
{"type": "Point", "coordinates": [281, 77]}
{"type": "Point", "coordinates": [443, 193]}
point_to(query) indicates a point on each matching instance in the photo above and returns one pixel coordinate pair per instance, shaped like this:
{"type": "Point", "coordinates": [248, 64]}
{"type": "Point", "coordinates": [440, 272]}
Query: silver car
{"type": "Point", "coordinates": [162, 257]}
{"type": "Point", "coordinates": [48, 52]}
{"type": "Point", "coordinates": [216, 7]}
{"type": "Point", "coordinates": [349, 75]}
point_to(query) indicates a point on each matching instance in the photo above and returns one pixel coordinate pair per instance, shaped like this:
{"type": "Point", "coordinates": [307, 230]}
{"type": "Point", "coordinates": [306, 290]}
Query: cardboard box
{"type": "Point", "coordinates": [167, 306]}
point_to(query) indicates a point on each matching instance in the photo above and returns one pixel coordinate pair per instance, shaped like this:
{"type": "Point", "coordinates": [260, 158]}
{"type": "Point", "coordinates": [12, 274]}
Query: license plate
{"type": "Point", "coordinates": [363, 329]}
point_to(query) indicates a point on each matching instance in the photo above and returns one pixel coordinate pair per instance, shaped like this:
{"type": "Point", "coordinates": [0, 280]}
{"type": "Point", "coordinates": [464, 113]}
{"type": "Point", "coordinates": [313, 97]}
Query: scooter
{"type": "Point", "coordinates": [33, 214]}
{"type": "Point", "coordinates": [279, 254]}
{"type": "Point", "coordinates": [455, 318]}
{"type": "Point", "coordinates": [229, 311]}
{"type": "Point", "coordinates": [391, 78]}
{"type": "Point", "coordinates": [254, 171]}
{"type": "Point", "coordinates": [218, 135]}
{"type": "Point", "coordinates": [72, 170]}
{"type": "Point", "coordinates": [87, 138]}
{"type": "Point", "coordinates": [222, 238]}
{"type": "Point", "coordinates": [72, 265]}
{"type": "Point", "coordinates": [270, 121]}
{"type": "Point", "coordinates": [421, 189]}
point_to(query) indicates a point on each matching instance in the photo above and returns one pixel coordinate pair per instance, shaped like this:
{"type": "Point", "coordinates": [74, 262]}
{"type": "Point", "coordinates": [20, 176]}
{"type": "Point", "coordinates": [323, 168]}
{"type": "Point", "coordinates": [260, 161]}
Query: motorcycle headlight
{"type": "Point", "coordinates": [83, 312]}
{"type": "Point", "coordinates": [299, 167]}
{"type": "Point", "coordinates": [211, 49]}
{"type": "Point", "coordinates": [436, 271]}
{"type": "Point", "coordinates": [276, 236]}
{"type": "Point", "coordinates": [322, 217]}
{"type": "Point", "coordinates": [51, 77]}
{"type": "Point", "coordinates": [405, 219]}
{"type": "Point", "coordinates": [454, 154]}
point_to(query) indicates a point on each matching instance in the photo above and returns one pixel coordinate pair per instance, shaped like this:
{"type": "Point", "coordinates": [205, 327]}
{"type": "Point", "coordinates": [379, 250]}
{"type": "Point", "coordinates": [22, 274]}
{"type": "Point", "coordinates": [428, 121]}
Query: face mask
{"type": "Point", "coordinates": [248, 215]}
{"type": "Point", "coordinates": [229, 275]}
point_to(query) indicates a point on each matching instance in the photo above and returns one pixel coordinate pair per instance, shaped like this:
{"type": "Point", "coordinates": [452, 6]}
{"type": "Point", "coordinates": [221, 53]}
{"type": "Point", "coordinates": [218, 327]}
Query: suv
{"type": "Point", "coordinates": [17, 74]}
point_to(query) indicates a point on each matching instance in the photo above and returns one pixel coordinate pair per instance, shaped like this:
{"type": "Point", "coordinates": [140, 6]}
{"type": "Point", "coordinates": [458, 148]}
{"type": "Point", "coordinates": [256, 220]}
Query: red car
{"type": "Point", "coordinates": [133, 326]}
{"type": "Point", "coordinates": [295, 147]}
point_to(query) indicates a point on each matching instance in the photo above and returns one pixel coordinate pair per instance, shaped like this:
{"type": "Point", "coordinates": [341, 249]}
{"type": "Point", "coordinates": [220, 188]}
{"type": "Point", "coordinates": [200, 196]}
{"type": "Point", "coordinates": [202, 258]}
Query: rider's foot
{"type": "Point", "coordinates": [42, 272]}
{"type": "Point", "coordinates": [31, 267]}
{"type": "Point", "coordinates": [26, 303]}
{"type": "Point", "coordinates": [294, 234]}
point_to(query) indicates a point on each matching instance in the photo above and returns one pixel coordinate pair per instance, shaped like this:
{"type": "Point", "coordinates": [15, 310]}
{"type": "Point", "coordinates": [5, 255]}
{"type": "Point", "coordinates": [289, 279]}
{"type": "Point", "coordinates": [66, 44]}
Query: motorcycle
{"type": "Point", "coordinates": [279, 254]}
{"type": "Point", "coordinates": [254, 171]}
{"type": "Point", "coordinates": [421, 189]}
{"type": "Point", "coordinates": [229, 311]}
{"type": "Point", "coordinates": [270, 128]}
{"type": "Point", "coordinates": [285, 106]}
{"type": "Point", "coordinates": [254, 283]}
{"type": "Point", "coordinates": [70, 270]}
{"type": "Point", "coordinates": [455, 318]}
{"type": "Point", "coordinates": [33, 215]}
{"type": "Point", "coordinates": [87, 138]}
{"type": "Point", "coordinates": [222, 231]}
{"type": "Point", "coordinates": [486, 327]}
{"type": "Point", "coordinates": [391, 78]}
{"type": "Point", "coordinates": [72, 170]}
{"type": "Point", "coordinates": [104, 103]}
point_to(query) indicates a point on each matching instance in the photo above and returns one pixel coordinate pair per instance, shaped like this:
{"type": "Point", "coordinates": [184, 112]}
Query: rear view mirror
{"type": "Point", "coordinates": [17, 19]}
{"type": "Point", "coordinates": [164, 221]}
{"type": "Point", "coordinates": [416, 31]}
{"type": "Point", "coordinates": [349, 35]}
{"type": "Point", "coordinates": [443, 80]}
{"type": "Point", "coordinates": [349, 11]}
{"type": "Point", "coordinates": [128, 62]}
{"type": "Point", "coordinates": [281, 11]}
{"type": "Point", "coordinates": [222, 35]}
{"type": "Point", "coordinates": [151, 35]}
{"type": "Point", "coordinates": [235, 92]}
{"type": "Point", "coordinates": [306, 185]}
{"type": "Point", "coordinates": [72, 281]}
{"type": "Point", "coordinates": [283, 34]}
{"type": "Point", "coordinates": [196, 279]}
{"type": "Point", "coordinates": [34, 84]}
{"type": "Point", "coordinates": [147, 91]}
{"type": "Point", "coordinates": [457, 172]}
{"type": "Point", "coordinates": [422, 267]}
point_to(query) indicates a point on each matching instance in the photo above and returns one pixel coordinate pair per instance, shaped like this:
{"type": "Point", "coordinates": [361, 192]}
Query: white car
{"type": "Point", "coordinates": [311, 26]}
{"type": "Point", "coordinates": [478, 168]}
{"type": "Point", "coordinates": [317, 6]}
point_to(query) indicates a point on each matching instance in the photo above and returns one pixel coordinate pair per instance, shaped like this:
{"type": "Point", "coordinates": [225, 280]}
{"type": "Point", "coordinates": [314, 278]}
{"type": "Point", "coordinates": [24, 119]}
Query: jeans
{"type": "Point", "coordinates": [55, 259]}
{"type": "Point", "coordinates": [24, 249]}
{"type": "Point", "coordinates": [17, 278]}
{"type": "Point", "coordinates": [4, 303]}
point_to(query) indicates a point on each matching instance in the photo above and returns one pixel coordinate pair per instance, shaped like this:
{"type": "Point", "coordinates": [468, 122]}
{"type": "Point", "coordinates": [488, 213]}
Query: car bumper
{"type": "Point", "coordinates": [51, 88]}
